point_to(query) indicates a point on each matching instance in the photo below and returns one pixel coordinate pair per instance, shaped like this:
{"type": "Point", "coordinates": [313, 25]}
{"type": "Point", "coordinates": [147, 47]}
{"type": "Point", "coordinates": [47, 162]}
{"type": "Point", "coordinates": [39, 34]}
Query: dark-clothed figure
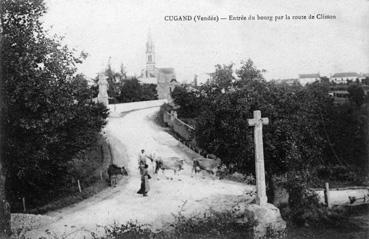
{"type": "Point", "coordinates": [145, 176]}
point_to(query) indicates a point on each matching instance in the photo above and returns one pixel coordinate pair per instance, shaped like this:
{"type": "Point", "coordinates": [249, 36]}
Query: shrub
{"type": "Point", "coordinates": [305, 208]}
{"type": "Point", "coordinates": [208, 225]}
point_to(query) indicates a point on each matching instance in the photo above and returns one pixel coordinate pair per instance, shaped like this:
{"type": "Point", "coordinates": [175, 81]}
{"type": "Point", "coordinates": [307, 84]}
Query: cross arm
{"type": "Point", "coordinates": [253, 122]}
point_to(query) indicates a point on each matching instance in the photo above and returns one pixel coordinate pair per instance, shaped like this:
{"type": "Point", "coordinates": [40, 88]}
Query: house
{"type": "Point", "coordinates": [345, 77]}
{"type": "Point", "coordinates": [340, 92]}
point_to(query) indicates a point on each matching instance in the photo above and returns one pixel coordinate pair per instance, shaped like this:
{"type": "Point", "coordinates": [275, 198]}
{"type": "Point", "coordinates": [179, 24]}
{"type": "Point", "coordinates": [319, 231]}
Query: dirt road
{"type": "Point", "coordinates": [185, 192]}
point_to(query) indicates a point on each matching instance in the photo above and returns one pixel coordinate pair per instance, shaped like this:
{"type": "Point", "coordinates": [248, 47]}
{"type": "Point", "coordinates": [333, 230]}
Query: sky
{"type": "Point", "coordinates": [284, 48]}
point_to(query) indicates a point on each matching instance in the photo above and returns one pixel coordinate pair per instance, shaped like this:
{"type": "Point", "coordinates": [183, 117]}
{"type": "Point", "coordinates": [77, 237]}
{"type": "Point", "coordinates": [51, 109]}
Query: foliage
{"type": "Point", "coordinates": [306, 128]}
{"type": "Point", "coordinates": [133, 91]}
{"type": "Point", "coordinates": [208, 225]}
{"type": "Point", "coordinates": [148, 92]}
{"type": "Point", "coordinates": [365, 81]}
{"type": "Point", "coordinates": [49, 116]}
{"type": "Point", "coordinates": [356, 94]}
{"type": "Point", "coordinates": [305, 208]}
{"type": "Point", "coordinates": [188, 101]}
{"type": "Point", "coordinates": [122, 88]}
{"type": "Point", "coordinates": [348, 134]}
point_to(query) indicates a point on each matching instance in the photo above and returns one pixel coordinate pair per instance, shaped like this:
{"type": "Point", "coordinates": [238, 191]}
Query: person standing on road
{"type": "Point", "coordinates": [145, 176]}
{"type": "Point", "coordinates": [142, 158]}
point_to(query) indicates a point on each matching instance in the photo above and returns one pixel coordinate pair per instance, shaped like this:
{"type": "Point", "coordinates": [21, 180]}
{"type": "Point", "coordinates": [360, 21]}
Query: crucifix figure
{"type": "Point", "coordinates": [258, 122]}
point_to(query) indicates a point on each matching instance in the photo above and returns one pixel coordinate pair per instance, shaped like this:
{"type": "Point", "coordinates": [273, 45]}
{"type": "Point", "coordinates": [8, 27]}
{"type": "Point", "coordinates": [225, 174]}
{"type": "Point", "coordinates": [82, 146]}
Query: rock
{"type": "Point", "coordinates": [267, 221]}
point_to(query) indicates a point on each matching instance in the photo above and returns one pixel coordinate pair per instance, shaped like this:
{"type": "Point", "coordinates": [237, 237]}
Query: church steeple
{"type": "Point", "coordinates": [150, 54]}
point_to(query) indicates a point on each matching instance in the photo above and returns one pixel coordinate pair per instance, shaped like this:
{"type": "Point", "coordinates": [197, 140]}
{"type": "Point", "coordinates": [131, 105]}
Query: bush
{"type": "Point", "coordinates": [133, 91]}
{"type": "Point", "coordinates": [304, 207]}
{"type": "Point", "coordinates": [209, 225]}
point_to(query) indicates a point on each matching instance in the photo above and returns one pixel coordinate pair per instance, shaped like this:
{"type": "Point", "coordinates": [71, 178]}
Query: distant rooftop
{"type": "Point", "coordinates": [169, 70]}
{"type": "Point", "coordinates": [304, 76]}
{"type": "Point", "coordinates": [346, 74]}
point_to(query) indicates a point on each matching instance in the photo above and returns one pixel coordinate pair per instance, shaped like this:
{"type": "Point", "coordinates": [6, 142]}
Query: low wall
{"type": "Point", "coordinates": [166, 118]}
{"type": "Point", "coordinates": [184, 130]}
{"type": "Point", "coordinates": [124, 107]}
{"type": "Point", "coordinates": [345, 196]}
{"type": "Point", "coordinates": [181, 128]}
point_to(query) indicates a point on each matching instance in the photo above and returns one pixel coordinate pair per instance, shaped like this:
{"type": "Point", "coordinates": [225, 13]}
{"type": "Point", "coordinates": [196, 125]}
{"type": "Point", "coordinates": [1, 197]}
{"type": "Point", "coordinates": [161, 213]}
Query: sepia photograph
{"type": "Point", "coordinates": [174, 119]}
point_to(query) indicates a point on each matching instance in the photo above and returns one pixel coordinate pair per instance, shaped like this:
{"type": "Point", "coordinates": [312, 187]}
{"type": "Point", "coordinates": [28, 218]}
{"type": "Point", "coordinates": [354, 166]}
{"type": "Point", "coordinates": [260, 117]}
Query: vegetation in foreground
{"type": "Point", "coordinates": [309, 140]}
{"type": "Point", "coordinates": [211, 225]}
{"type": "Point", "coordinates": [48, 117]}
{"type": "Point", "coordinates": [225, 225]}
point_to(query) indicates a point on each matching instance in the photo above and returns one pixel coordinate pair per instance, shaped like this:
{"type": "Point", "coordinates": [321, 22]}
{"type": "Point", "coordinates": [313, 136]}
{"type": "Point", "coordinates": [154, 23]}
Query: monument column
{"type": "Point", "coordinates": [103, 97]}
{"type": "Point", "coordinates": [258, 122]}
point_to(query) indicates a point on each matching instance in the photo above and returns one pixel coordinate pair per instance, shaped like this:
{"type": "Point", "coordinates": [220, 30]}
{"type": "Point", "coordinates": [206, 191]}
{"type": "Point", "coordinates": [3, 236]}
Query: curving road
{"type": "Point", "coordinates": [127, 134]}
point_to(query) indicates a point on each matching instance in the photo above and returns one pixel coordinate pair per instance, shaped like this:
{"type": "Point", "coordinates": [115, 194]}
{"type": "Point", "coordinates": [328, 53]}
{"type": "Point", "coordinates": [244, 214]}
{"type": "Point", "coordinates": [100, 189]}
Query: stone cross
{"type": "Point", "coordinates": [258, 122]}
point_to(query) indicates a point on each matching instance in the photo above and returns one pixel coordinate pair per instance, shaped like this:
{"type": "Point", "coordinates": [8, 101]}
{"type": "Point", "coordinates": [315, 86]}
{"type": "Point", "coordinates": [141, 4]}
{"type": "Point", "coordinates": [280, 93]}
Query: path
{"type": "Point", "coordinates": [190, 195]}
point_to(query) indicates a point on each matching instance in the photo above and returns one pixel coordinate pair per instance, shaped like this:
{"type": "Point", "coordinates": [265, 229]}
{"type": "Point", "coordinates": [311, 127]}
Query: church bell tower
{"type": "Point", "coordinates": [150, 56]}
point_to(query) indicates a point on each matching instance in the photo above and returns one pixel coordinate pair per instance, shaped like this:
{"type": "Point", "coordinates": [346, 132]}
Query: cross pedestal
{"type": "Point", "coordinates": [258, 122]}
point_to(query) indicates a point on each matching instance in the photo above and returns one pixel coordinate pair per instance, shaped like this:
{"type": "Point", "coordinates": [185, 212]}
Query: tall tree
{"type": "Point", "coordinates": [49, 116]}
{"type": "Point", "coordinates": [5, 227]}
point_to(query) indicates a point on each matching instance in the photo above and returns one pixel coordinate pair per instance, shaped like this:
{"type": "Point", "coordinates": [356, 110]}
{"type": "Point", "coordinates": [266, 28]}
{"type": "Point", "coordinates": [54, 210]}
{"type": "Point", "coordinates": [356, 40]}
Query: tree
{"type": "Point", "coordinates": [248, 72]}
{"type": "Point", "coordinates": [49, 116]}
{"type": "Point", "coordinates": [131, 91]}
{"type": "Point", "coordinates": [223, 77]}
{"type": "Point", "coordinates": [356, 94]}
{"type": "Point", "coordinates": [324, 79]}
{"type": "Point", "coordinates": [365, 81]}
{"type": "Point", "coordinates": [188, 101]}
{"type": "Point", "coordinates": [149, 92]}
{"type": "Point", "coordinates": [294, 140]}
{"type": "Point", "coordinates": [5, 229]}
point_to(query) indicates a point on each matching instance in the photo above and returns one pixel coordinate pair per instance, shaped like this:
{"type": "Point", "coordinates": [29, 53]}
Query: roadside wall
{"type": "Point", "coordinates": [124, 107]}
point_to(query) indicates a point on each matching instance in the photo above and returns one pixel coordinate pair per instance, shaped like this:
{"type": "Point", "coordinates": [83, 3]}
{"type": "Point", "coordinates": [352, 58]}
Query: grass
{"type": "Point", "coordinates": [211, 225]}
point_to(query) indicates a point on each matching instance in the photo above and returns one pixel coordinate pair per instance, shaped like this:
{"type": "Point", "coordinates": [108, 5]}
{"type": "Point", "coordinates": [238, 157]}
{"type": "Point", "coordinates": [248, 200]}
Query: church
{"type": "Point", "coordinates": [163, 78]}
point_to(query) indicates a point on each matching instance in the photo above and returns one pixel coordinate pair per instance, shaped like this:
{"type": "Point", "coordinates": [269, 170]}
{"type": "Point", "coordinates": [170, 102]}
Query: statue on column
{"type": "Point", "coordinates": [103, 97]}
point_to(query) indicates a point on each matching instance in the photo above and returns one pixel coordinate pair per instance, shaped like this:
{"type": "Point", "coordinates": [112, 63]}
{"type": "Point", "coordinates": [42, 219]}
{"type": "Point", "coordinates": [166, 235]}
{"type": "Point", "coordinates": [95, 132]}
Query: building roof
{"type": "Point", "coordinates": [304, 76]}
{"type": "Point", "coordinates": [168, 70]}
{"type": "Point", "coordinates": [346, 74]}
